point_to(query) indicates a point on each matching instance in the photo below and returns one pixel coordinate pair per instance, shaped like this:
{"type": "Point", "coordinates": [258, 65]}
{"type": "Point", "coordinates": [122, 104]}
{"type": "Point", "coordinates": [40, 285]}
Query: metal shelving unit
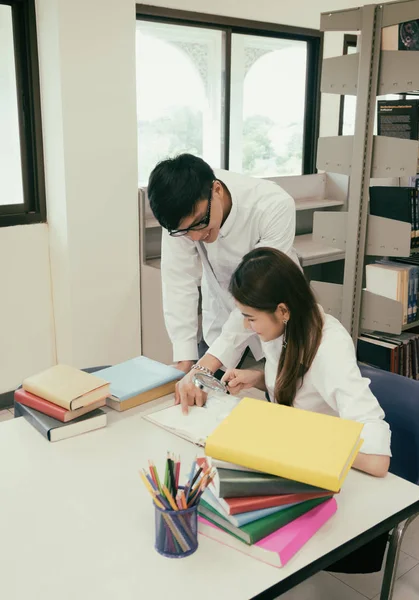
{"type": "Point", "coordinates": [366, 74]}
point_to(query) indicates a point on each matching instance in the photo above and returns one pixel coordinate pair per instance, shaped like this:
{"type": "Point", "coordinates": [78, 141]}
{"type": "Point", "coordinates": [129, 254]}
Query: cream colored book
{"type": "Point", "coordinates": [67, 387]}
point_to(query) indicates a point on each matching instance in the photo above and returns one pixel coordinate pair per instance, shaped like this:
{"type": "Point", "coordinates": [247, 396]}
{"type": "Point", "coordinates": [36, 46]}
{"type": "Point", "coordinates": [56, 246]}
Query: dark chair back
{"type": "Point", "coordinates": [399, 398]}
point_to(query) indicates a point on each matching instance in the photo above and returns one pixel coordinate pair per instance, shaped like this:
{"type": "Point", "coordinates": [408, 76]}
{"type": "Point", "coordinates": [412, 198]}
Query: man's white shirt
{"type": "Point", "coordinates": [262, 214]}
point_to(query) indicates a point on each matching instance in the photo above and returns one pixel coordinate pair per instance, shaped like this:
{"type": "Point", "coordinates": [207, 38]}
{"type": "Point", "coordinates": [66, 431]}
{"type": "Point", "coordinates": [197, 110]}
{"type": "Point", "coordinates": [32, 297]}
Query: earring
{"type": "Point", "coordinates": [285, 341]}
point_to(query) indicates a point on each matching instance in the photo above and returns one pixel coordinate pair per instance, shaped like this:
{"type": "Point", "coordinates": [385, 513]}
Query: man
{"type": "Point", "coordinates": [210, 220]}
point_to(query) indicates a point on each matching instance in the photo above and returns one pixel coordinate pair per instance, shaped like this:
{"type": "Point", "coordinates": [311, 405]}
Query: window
{"type": "Point", "coordinates": [242, 95]}
{"type": "Point", "coordinates": [268, 94]}
{"type": "Point", "coordinates": [22, 194]}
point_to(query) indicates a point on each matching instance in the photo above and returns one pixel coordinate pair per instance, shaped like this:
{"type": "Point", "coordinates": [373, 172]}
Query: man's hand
{"type": "Point", "coordinates": [187, 394]}
{"type": "Point", "coordinates": [184, 365]}
{"type": "Point", "coordinates": [243, 379]}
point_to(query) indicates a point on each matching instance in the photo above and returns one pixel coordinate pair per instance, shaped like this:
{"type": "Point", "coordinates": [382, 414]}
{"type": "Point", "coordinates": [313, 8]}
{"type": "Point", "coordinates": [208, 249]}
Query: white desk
{"type": "Point", "coordinates": [77, 523]}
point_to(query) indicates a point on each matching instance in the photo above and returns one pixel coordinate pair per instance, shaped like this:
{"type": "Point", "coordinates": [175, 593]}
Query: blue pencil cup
{"type": "Point", "coordinates": [176, 531]}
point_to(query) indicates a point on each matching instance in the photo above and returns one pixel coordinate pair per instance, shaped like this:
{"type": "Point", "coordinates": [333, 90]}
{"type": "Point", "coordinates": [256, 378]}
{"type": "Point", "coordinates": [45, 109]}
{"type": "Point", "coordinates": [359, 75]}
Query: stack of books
{"type": "Point", "coordinates": [397, 353]}
{"type": "Point", "coordinates": [62, 402]}
{"type": "Point", "coordinates": [278, 469]}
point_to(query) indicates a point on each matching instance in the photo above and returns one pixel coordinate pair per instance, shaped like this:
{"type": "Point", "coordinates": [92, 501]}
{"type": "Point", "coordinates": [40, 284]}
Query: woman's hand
{"type": "Point", "coordinates": [243, 379]}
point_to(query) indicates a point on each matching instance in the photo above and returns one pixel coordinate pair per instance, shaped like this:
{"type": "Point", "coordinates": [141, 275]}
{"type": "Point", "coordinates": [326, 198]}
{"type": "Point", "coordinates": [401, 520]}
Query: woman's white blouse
{"type": "Point", "coordinates": [334, 385]}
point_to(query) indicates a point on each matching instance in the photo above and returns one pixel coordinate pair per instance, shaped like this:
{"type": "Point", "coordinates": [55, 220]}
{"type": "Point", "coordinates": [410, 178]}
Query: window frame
{"type": "Point", "coordinates": [230, 26]}
{"type": "Point", "coordinates": [33, 208]}
{"type": "Point", "coordinates": [349, 41]}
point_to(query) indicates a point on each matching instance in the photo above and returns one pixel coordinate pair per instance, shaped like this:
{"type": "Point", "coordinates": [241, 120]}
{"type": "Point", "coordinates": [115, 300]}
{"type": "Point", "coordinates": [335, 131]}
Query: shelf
{"type": "Point", "coordinates": [410, 325]}
{"type": "Point", "coordinates": [315, 203]}
{"type": "Point", "coordinates": [155, 263]}
{"type": "Point", "coordinates": [314, 253]}
{"type": "Point", "coordinates": [340, 75]}
{"type": "Point", "coordinates": [151, 223]}
{"type": "Point", "coordinates": [391, 157]}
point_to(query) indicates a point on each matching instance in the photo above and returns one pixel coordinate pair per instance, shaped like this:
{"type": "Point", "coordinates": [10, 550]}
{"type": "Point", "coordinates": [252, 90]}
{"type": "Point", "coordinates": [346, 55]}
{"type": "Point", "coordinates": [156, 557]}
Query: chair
{"type": "Point", "coordinates": [399, 398]}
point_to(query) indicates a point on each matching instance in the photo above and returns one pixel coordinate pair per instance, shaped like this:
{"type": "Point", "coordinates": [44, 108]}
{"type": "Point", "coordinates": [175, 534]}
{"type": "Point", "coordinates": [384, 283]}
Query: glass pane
{"type": "Point", "coordinates": [11, 186]}
{"type": "Point", "coordinates": [268, 89]}
{"type": "Point", "coordinates": [349, 106]}
{"type": "Point", "coordinates": [179, 93]}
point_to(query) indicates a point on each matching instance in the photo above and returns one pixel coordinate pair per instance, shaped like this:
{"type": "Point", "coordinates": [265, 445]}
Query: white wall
{"type": "Point", "coordinates": [87, 70]}
{"type": "Point", "coordinates": [87, 54]}
{"type": "Point", "coordinates": [26, 320]}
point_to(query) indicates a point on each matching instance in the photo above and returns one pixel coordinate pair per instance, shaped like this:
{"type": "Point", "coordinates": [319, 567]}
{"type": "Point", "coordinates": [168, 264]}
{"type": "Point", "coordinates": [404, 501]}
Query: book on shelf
{"type": "Point", "coordinates": [67, 386]}
{"type": "Point", "coordinates": [391, 352]}
{"type": "Point", "coordinates": [54, 430]}
{"type": "Point", "coordinates": [395, 280]}
{"type": "Point", "coordinates": [280, 546]}
{"type": "Point", "coordinates": [255, 531]}
{"type": "Point", "coordinates": [287, 442]}
{"type": "Point", "coordinates": [139, 380]}
{"type": "Point", "coordinates": [53, 410]}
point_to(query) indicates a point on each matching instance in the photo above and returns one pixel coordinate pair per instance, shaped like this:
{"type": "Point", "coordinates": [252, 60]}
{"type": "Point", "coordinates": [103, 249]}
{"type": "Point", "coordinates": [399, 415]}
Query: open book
{"type": "Point", "coordinates": [199, 423]}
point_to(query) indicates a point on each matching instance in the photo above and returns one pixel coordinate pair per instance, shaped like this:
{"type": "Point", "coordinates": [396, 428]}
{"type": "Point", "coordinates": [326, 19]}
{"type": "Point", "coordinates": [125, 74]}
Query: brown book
{"type": "Point", "coordinates": [158, 392]}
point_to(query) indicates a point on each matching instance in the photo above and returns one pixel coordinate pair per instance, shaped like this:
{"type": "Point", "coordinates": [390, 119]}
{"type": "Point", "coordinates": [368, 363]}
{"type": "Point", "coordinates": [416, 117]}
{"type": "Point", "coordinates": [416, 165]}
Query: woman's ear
{"type": "Point", "coordinates": [282, 312]}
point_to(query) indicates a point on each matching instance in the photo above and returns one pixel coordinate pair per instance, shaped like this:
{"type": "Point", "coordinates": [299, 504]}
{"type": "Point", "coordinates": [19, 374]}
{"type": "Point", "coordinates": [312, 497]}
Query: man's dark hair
{"type": "Point", "coordinates": [176, 185]}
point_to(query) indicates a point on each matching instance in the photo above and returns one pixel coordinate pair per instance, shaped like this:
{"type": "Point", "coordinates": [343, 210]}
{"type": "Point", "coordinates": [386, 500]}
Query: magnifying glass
{"type": "Point", "coordinates": [209, 382]}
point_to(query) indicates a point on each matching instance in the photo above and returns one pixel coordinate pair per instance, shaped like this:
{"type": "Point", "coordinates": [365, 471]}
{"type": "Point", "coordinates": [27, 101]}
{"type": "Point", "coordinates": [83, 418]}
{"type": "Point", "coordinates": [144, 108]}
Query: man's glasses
{"type": "Point", "coordinates": [198, 226]}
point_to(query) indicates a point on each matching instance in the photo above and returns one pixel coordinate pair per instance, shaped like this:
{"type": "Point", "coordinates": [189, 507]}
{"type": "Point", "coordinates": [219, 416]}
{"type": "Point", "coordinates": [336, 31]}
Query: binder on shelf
{"type": "Point", "coordinates": [340, 74]}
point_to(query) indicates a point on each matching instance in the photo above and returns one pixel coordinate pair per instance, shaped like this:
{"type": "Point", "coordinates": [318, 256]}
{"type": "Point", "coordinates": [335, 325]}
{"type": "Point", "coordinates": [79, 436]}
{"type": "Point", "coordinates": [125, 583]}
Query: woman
{"type": "Point", "coordinates": [310, 357]}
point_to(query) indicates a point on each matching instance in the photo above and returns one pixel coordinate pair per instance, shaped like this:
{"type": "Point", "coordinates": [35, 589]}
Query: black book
{"type": "Point", "coordinates": [54, 430]}
{"type": "Point", "coordinates": [230, 483]}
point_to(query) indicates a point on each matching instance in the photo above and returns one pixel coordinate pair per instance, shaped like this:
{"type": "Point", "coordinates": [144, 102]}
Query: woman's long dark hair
{"type": "Point", "coordinates": [265, 278]}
